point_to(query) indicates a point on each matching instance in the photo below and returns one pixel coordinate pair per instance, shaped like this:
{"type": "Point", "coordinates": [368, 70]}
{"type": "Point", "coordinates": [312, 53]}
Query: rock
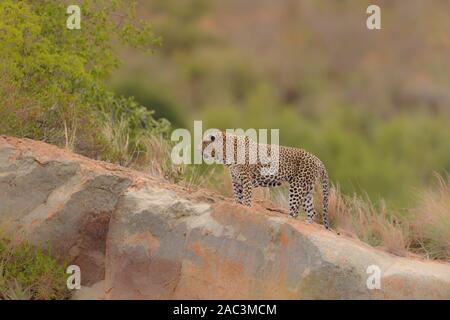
{"type": "Point", "coordinates": [137, 237]}
{"type": "Point", "coordinates": [94, 292]}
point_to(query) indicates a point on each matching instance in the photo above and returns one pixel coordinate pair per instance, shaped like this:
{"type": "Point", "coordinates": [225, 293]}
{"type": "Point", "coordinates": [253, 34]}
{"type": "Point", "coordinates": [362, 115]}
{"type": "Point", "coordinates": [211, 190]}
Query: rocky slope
{"type": "Point", "coordinates": [137, 237]}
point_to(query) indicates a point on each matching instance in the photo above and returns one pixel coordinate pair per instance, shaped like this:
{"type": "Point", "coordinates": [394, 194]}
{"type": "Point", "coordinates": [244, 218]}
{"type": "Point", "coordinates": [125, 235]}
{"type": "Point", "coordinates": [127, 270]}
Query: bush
{"type": "Point", "coordinates": [53, 78]}
{"type": "Point", "coordinates": [30, 273]}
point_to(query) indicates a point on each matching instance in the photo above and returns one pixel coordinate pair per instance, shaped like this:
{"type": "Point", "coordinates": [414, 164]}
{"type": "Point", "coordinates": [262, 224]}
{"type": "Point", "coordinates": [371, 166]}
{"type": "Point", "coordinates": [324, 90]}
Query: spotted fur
{"type": "Point", "coordinates": [297, 167]}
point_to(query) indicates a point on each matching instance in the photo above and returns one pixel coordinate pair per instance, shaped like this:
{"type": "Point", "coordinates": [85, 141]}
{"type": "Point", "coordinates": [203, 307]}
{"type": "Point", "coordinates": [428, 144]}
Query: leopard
{"type": "Point", "coordinates": [248, 170]}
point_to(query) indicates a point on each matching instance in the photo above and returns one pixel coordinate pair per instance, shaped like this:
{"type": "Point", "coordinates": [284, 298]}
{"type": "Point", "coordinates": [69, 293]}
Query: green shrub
{"type": "Point", "coordinates": [30, 273]}
{"type": "Point", "coordinates": [52, 85]}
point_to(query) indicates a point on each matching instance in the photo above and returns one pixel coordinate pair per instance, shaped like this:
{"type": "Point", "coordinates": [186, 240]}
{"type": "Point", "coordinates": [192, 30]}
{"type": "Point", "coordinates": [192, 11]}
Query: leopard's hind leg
{"type": "Point", "coordinates": [308, 204]}
{"type": "Point", "coordinates": [294, 198]}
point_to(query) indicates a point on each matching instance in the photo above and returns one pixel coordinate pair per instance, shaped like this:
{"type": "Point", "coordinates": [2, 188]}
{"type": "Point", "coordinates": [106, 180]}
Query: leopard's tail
{"type": "Point", "coordinates": [325, 194]}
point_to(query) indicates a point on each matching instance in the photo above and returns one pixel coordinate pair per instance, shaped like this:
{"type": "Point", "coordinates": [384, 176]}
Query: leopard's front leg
{"type": "Point", "coordinates": [242, 186]}
{"type": "Point", "coordinates": [237, 185]}
{"type": "Point", "coordinates": [238, 191]}
{"type": "Point", "coordinates": [247, 191]}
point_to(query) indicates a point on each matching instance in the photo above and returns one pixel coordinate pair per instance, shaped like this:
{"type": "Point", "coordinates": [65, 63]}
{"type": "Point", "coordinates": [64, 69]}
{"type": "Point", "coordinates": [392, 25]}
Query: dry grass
{"type": "Point", "coordinates": [157, 161]}
{"type": "Point", "coordinates": [430, 228]}
{"type": "Point", "coordinates": [118, 136]}
{"type": "Point", "coordinates": [376, 225]}
{"type": "Point", "coordinates": [423, 230]}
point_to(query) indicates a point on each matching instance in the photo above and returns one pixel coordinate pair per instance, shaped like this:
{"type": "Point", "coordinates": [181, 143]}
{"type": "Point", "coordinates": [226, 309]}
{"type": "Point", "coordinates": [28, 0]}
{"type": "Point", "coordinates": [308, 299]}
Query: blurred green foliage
{"type": "Point", "coordinates": [180, 29]}
{"type": "Point", "coordinates": [385, 158]}
{"type": "Point", "coordinates": [378, 119]}
{"type": "Point", "coordinates": [161, 104]}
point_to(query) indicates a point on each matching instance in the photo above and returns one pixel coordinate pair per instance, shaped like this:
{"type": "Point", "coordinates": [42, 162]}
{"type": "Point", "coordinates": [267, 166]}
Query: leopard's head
{"type": "Point", "coordinates": [223, 146]}
{"type": "Point", "coordinates": [212, 144]}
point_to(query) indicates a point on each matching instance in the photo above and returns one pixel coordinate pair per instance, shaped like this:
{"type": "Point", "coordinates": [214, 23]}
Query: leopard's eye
{"type": "Point", "coordinates": [213, 138]}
